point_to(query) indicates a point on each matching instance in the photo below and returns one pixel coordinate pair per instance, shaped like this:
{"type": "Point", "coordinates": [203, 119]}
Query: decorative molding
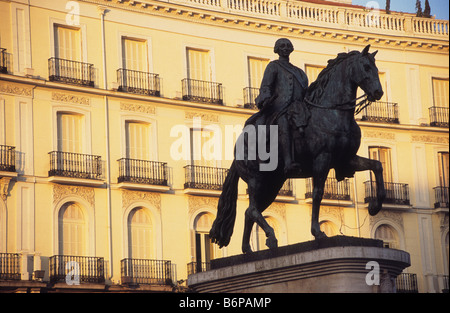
{"type": "Point", "coordinates": [204, 116]}
{"type": "Point", "coordinates": [379, 134]}
{"type": "Point", "coordinates": [7, 87]}
{"type": "Point", "coordinates": [70, 98]}
{"type": "Point", "coordinates": [195, 203]}
{"type": "Point", "coordinates": [277, 208]}
{"type": "Point", "coordinates": [141, 108]}
{"type": "Point", "coordinates": [394, 217]}
{"type": "Point", "coordinates": [4, 186]}
{"type": "Point", "coordinates": [430, 139]}
{"type": "Point", "coordinates": [130, 196]}
{"type": "Point", "coordinates": [62, 191]}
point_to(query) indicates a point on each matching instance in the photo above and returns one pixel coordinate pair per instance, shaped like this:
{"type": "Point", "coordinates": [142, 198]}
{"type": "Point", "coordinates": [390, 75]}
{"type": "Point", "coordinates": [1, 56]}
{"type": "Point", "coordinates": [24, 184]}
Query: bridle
{"type": "Point", "coordinates": [358, 106]}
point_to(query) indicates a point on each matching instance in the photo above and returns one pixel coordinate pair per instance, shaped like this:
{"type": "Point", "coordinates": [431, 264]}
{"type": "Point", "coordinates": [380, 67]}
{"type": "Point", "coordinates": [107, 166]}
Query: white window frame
{"type": "Point", "coordinates": [57, 22]}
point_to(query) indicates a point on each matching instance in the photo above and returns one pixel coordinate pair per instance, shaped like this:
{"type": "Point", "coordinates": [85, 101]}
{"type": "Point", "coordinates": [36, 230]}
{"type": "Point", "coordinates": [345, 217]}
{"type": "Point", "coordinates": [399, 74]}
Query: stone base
{"type": "Point", "coordinates": [335, 264]}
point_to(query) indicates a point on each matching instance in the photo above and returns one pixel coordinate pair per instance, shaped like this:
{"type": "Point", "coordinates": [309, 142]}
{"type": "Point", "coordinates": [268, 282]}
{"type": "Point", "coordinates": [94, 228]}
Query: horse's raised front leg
{"type": "Point", "coordinates": [320, 173]}
{"type": "Point", "coordinates": [364, 164]}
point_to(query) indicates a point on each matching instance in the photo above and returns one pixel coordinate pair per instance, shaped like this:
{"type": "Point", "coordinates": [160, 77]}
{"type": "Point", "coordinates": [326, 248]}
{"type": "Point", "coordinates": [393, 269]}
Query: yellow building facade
{"type": "Point", "coordinates": [118, 120]}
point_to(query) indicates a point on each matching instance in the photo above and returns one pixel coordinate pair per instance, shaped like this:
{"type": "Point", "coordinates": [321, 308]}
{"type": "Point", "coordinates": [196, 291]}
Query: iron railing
{"type": "Point", "coordinates": [407, 283]}
{"type": "Point", "coordinates": [396, 193]}
{"type": "Point", "coordinates": [439, 116]}
{"type": "Point", "coordinates": [7, 158]}
{"type": "Point", "coordinates": [4, 60]}
{"type": "Point", "coordinates": [138, 82]}
{"type": "Point", "coordinates": [250, 95]}
{"type": "Point", "coordinates": [333, 190]}
{"type": "Point", "coordinates": [84, 269]}
{"type": "Point", "coordinates": [9, 266]}
{"type": "Point", "coordinates": [71, 72]}
{"type": "Point", "coordinates": [379, 111]}
{"type": "Point", "coordinates": [198, 267]}
{"type": "Point", "coordinates": [202, 91]}
{"type": "Point", "coordinates": [142, 172]}
{"type": "Point", "coordinates": [75, 165]}
{"type": "Point", "coordinates": [204, 177]}
{"type": "Point", "coordinates": [440, 197]}
{"type": "Point", "coordinates": [287, 189]}
{"type": "Point", "coordinates": [148, 272]}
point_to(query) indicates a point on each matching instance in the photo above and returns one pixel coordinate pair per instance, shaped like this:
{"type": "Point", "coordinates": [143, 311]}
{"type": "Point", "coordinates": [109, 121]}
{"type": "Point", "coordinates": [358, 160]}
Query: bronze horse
{"type": "Point", "coordinates": [330, 140]}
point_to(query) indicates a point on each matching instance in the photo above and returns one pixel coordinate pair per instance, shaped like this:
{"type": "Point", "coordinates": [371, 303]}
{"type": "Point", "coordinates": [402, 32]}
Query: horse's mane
{"type": "Point", "coordinates": [317, 88]}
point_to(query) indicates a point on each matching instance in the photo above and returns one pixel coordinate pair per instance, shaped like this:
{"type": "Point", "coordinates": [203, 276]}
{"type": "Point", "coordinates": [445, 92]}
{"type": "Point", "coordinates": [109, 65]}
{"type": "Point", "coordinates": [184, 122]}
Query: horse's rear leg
{"type": "Point", "coordinates": [364, 164]}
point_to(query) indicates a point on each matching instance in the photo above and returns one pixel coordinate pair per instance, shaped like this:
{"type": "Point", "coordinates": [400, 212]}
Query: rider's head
{"type": "Point", "coordinates": [283, 46]}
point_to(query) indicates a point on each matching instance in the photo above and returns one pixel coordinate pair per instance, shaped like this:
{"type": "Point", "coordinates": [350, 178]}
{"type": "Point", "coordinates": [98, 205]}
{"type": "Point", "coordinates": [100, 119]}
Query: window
{"type": "Point", "coordinates": [72, 230]}
{"type": "Point", "coordinates": [383, 82]}
{"type": "Point", "coordinates": [204, 248]}
{"type": "Point", "coordinates": [140, 234]}
{"type": "Point", "coordinates": [389, 236]}
{"type": "Point", "coordinates": [256, 68]}
{"type": "Point", "coordinates": [313, 71]}
{"type": "Point", "coordinates": [383, 155]}
{"type": "Point", "coordinates": [329, 228]}
{"type": "Point", "coordinates": [200, 153]}
{"type": "Point", "coordinates": [137, 140]}
{"type": "Point", "coordinates": [443, 168]}
{"type": "Point", "coordinates": [199, 64]}
{"type": "Point", "coordinates": [69, 132]}
{"type": "Point", "coordinates": [134, 54]}
{"type": "Point", "coordinates": [440, 92]}
{"type": "Point", "coordinates": [67, 43]}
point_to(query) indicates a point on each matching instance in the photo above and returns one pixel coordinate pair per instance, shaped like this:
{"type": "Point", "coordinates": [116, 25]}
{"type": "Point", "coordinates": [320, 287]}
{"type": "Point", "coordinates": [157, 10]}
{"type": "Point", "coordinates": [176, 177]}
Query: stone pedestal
{"type": "Point", "coordinates": [335, 264]}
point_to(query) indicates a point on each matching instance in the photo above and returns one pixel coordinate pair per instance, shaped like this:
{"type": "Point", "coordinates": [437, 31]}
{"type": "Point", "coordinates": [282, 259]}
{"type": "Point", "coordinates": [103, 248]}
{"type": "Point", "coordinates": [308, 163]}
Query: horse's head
{"type": "Point", "coordinates": [365, 75]}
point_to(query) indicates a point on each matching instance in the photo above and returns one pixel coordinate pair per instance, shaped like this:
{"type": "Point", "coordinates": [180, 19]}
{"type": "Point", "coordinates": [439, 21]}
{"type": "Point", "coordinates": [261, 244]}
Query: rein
{"type": "Point", "coordinates": [358, 106]}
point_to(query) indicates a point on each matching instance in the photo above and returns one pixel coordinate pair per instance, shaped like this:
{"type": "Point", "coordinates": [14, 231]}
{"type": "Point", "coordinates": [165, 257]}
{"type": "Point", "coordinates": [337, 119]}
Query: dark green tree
{"type": "Point", "coordinates": [427, 10]}
{"type": "Point", "coordinates": [388, 6]}
{"type": "Point", "coordinates": [419, 12]}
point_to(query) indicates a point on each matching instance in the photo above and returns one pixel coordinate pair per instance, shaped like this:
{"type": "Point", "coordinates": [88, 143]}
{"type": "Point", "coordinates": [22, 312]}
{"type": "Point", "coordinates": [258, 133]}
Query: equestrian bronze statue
{"type": "Point", "coordinates": [315, 131]}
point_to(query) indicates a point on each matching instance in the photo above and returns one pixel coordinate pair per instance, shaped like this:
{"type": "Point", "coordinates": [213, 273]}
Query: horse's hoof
{"type": "Point", "coordinates": [246, 249]}
{"type": "Point", "coordinates": [271, 242]}
{"type": "Point", "coordinates": [374, 208]}
{"type": "Point", "coordinates": [320, 235]}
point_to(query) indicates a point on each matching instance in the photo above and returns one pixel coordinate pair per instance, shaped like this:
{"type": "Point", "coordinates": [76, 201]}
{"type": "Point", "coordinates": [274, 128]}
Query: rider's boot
{"type": "Point", "coordinates": [290, 167]}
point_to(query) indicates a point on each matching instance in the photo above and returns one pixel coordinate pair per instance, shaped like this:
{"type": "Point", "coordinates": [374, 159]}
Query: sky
{"type": "Point", "coordinates": [438, 7]}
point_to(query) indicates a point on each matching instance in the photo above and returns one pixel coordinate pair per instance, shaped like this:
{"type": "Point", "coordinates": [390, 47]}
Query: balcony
{"type": "Point", "coordinates": [146, 272]}
{"type": "Point", "coordinates": [334, 192]}
{"type": "Point", "coordinates": [396, 193]}
{"type": "Point", "coordinates": [438, 116]}
{"type": "Point", "coordinates": [250, 95]}
{"type": "Point", "coordinates": [4, 61]}
{"type": "Point", "coordinates": [10, 266]}
{"type": "Point", "coordinates": [198, 267]}
{"type": "Point", "coordinates": [202, 91]}
{"type": "Point", "coordinates": [85, 269]}
{"type": "Point", "coordinates": [67, 167]}
{"type": "Point", "coordinates": [407, 283]}
{"type": "Point", "coordinates": [140, 174]}
{"type": "Point", "coordinates": [71, 72]}
{"type": "Point", "coordinates": [440, 197]}
{"type": "Point", "coordinates": [382, 112]}
{"type": "Point", "coordinates": [7, 159]}
{"type": "Point", "coordinates": [204, 179]}
{"type": "Point", "coordinates": [141, 83]}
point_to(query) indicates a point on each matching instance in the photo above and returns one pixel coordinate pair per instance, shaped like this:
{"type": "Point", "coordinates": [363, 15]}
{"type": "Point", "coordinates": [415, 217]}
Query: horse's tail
{"type": "Point", "coordinates": [222, 228]}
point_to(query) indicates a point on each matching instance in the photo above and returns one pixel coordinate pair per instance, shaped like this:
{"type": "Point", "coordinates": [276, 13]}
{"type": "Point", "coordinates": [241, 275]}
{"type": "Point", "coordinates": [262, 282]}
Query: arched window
{"type": "Point", "coordinates": [72, 230]}
{"type": "Point", "coordinates": [389, 236]}
{"type": "Point", "coordinates": [140, 234]}
{"type": "Point", "coordinates": [329, 228]}
{"type": "Point", "coordinates": [204, 249]}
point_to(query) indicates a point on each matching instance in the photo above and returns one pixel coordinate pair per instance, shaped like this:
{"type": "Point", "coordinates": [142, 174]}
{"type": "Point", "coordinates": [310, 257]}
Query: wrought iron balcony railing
{"type": "Point", "coordinates": [138, 82]}
{"type": "Point", "coordinates": [7, 158]}
{"type": "Point", "coordinates": [4, 61]}
{"type": "Point", "coordinates": [396, 193]}
{"type": "Point", "coordinates": [440, 197]}
{"type": "Point", "coordinates": [385, 112]}
{"type": "Point", "coordinates": [407, 283]}
{"type": "Point", "coordinates": [439, 116]}
{"type": "Point", "coordinates": [250, 95]}
{"type": "Point", "coordinates": [142, 172]}
{"type": "Point", "coordinates": [86, 269]}
{"type": "Point", "coordinates": [204, 177]}
{"type": "Point", "coordinates": [287, 189]}
{"type": "Point", "coordinates": [75, 165]}
{"type": "Point", "coordinates": [71, 72]}
{"type": "Point", "coordinates": [333, 189]}
{"type": "Point", "coordinates": [148, 272]}
{"type": "Point", "coordinates": [198, 267]}
{"type": "Point", "coordinates": [202, 91]}
{"type": "Point", "coordinates": [9, 266]}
